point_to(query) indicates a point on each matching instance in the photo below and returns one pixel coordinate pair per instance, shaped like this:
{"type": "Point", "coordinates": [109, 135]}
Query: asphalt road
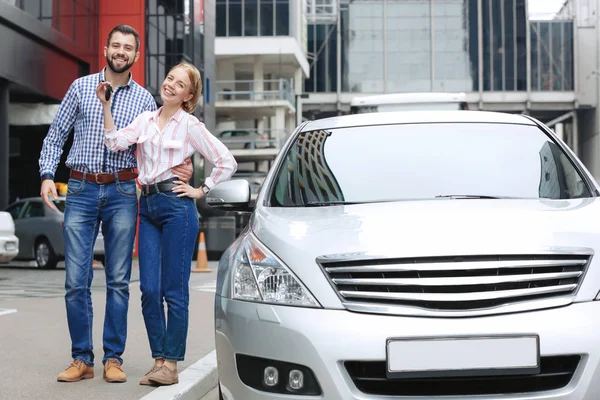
{"type": "Point", "coordinates": [35, 343]}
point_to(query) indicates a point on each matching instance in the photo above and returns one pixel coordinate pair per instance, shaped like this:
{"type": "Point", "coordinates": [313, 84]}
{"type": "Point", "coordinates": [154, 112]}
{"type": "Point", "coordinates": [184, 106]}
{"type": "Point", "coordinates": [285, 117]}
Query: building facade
{"type": "Point", "coordinates": [49, 43]}
{"type": "Point", "coordinates": [488, 49]}
{"type": "Point", "coordinates": [261, 66]}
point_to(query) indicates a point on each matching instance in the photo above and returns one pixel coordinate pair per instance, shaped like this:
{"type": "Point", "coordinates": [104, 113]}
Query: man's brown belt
{"type": "Point", "coordinates": [106, 177]}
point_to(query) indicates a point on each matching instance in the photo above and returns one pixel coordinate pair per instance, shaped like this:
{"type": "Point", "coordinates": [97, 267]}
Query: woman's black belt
{"type": "Point", "coordinates": [157, 188]}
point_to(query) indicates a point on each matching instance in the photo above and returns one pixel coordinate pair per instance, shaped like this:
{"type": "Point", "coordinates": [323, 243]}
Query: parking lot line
{"type": "Point", "coordinates": [4, 311]}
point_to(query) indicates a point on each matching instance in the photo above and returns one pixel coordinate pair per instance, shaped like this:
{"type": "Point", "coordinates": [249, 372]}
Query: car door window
{"type": "Point", "coordinates": [34, 210]}
{"type": "Point", "coordinates": [15, 210]}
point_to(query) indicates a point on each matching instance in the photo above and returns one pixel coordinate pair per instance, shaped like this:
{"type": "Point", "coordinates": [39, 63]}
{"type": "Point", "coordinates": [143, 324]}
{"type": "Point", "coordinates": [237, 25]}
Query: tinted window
{"type": "Point", "coordinates": [15, 210]}
{"type": "Point", "coordinates": [422, 161]}
{"type": "Point", "coordinates": [34, 210]}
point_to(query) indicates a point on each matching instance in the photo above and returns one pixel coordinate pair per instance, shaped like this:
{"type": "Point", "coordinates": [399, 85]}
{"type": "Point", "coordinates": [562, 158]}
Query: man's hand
{"type": "Point", "coordinates": [184, 171]}
{"type": "Point", "coordinates": [48, 187]}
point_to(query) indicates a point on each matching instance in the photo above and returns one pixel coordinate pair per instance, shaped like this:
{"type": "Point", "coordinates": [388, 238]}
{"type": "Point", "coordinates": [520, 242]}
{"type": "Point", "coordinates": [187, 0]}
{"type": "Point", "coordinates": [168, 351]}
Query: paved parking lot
{"type": "Point", "coordinates": [35, 340]}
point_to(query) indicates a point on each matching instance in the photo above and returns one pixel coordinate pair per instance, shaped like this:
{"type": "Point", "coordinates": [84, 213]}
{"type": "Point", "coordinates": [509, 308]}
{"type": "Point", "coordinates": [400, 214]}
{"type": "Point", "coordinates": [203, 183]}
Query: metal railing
{"type": "Point", "coordinates": [270, 89]}
{"type": "Point", "coordinates": [251, 139]}
{"type": "Point", "coordinates": [321, 11]}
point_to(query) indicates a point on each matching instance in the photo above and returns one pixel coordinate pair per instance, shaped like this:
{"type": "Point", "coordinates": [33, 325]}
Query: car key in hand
{"type": "Point", "coordinates": [108, 92]}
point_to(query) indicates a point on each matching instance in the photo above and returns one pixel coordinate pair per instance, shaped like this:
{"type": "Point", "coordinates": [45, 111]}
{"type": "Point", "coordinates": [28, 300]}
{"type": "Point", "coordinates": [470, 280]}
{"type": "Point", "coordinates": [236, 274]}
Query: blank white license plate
{"type": "Point", "coordinates": [462, 356]}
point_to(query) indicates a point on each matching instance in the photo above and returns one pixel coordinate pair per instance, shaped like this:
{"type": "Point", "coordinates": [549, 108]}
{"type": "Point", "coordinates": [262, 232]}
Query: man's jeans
{"type": "Point", "coordinates": [88, 204]}
{"type": "Point", "coordinates": [168, 232]}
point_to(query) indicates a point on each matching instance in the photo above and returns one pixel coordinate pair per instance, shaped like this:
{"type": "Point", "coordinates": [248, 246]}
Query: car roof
{"type": "Point", "coordinates": [417, 117]}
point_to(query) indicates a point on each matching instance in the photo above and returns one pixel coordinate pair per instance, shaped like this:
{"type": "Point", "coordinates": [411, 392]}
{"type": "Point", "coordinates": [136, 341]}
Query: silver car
{"type": "Point", "coordinates": [40, 232]}
{"type": "Point", "coordinates": [414, 255]}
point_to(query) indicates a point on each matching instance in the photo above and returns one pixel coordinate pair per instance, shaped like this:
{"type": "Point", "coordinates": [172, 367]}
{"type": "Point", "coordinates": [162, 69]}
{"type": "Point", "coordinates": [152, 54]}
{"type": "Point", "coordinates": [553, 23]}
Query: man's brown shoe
{"type": "Point", "coordinates": [113, 372]}
{"type": "Point", "coordinates": [163, 376]}
{"type": "Point", "coordinates": [76, 372]}
{"type": "Point", "coordinates": [144, 380]}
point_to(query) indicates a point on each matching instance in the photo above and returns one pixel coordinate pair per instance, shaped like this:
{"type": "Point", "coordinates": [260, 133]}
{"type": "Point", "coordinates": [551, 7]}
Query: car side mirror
{"type": "Point", "coordinates": [233, 195]}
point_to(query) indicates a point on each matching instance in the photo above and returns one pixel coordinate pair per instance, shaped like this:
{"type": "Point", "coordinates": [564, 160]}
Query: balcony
{"type": "Point", "coordinates": [265, 90]}
{"type": "Point", "coordinates": [247, 100]}
{"type": "Point", "coordinates": [321, 11]}
{"type": "Point", "coordinates": [253, 144]}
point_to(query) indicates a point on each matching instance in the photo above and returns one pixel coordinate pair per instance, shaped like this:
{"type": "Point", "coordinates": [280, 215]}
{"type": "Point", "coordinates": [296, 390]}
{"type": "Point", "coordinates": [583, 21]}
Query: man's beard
{"type": "Point", "coordinates": [116, 70]}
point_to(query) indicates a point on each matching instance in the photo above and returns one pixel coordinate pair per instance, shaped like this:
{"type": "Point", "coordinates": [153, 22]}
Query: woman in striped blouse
{"type": "Point", "coordinates": [168, 214]}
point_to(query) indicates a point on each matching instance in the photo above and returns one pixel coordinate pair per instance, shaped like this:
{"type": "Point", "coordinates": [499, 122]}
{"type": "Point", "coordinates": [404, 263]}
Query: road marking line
{"type": "Point", "coordinates": [4, 311]}
{"type": "Point", "coordinates": [210, 287]}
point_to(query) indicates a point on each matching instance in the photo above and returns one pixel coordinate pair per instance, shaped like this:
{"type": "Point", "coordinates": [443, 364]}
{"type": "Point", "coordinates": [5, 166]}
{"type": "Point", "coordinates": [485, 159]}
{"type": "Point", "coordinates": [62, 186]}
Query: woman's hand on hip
{"type": "Point", "coordinates": [183, 189]}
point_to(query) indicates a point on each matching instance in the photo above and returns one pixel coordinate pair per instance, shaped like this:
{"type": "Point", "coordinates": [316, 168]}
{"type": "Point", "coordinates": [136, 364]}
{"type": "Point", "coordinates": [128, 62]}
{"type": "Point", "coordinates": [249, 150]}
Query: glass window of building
{"type": "Point", "coordinates": [393, 46]}
{"type": "Point", "coordinates": [552, 55]}
{"type": "Point", "coordinates": [253, 17]}
{"type": "Point", "coordinates": [76, 19]}
{"type": "Point", "coordinates": [170, 38]}
{"type": "Point", "coordinates": [504, 45]}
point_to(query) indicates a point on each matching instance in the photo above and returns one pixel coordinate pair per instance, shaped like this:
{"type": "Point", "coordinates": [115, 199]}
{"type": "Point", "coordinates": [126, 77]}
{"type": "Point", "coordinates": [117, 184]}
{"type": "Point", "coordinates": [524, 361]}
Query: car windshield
{"type": "Point", "coordinates": [424, 161]}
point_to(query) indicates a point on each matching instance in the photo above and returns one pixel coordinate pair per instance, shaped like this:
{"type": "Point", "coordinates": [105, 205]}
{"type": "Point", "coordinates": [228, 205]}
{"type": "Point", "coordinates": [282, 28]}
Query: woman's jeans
{"type": "Point", "coordinates": [116, 205]}
{"type": "Point", "coordinates": [167, 236]}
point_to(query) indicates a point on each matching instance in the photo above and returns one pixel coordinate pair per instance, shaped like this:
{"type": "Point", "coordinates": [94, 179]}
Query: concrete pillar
{"type": "Point", "coordinates": [298, 89]}
{"type": "Point", "coordinates": [225, 79]}
{"type": "Point", "coordinates": [4, 151]}
{"type": "Point", "coordinates": [298, 81]}
{"type": "Point", "coordinates": [279, 124]}
{"type": "Point", "coordinates": [259, 78]}
{"type": "Point", "coordinates": [260, 127]}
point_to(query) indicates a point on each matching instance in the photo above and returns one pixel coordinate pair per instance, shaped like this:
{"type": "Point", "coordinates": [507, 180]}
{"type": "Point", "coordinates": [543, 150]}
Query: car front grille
{"type": "Point", "coordinates": [454, 284]}
{"type": "Point", "coordinates": [370, 377]}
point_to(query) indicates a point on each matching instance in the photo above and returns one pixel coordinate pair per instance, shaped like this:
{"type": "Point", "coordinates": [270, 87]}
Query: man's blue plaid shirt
{"type": "Point", "coordinates": [82, 110]}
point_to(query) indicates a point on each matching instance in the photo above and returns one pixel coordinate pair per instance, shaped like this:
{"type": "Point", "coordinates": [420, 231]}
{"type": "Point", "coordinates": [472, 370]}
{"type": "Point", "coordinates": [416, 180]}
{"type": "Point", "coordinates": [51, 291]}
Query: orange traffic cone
{"type": "Point", "coordinates": [201, 259]}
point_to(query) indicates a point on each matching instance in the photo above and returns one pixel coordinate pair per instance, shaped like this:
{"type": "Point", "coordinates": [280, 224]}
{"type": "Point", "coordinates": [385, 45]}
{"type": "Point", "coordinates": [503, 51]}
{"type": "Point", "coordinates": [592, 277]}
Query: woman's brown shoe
{"type": "Point", "coordinates": [144, 380]}
{"type": "Point", "coordinates": [164, 376]}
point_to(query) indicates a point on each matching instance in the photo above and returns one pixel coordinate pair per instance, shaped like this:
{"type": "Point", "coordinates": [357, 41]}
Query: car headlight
{"type": "Point", "coordinates": [258, 275]}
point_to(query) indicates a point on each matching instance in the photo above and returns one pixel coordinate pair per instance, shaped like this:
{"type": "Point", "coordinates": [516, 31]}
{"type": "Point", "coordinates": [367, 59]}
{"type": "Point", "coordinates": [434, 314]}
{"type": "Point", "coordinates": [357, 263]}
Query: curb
{"type": "Point", "coordinates": [195, 382]}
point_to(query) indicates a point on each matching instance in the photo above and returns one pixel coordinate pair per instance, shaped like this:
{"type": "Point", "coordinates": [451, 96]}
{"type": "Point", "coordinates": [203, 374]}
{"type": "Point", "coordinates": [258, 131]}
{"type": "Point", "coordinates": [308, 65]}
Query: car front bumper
{"type": "Point", "coordinates": [323, 340]}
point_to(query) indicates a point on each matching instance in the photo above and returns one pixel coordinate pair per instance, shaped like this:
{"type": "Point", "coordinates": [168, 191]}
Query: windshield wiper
{"type": "Point", "coordinates": [465, 196]}
{"type": "Point", "coordinates": [329, 203]}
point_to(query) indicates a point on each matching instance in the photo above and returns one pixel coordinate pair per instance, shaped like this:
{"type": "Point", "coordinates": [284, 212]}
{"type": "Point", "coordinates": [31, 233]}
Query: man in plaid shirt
{"type": "Point", "coordinates": [101, 189]}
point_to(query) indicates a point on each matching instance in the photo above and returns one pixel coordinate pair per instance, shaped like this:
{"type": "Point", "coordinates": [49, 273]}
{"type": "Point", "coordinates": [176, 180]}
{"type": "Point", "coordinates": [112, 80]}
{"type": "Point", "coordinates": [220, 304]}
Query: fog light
{"type": "Point", "coordinates": [10, 246]}
{"type": "Point", "coordinates": [271, 376]}
{"type": "Point", "coordinates": [277, 377]}
{"type": "Point", "coordinates": [296, 379]}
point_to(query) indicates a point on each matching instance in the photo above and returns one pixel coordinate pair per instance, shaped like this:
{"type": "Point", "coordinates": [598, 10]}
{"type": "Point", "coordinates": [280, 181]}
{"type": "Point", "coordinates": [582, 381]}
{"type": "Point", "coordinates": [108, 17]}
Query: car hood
{"type": "Point", "coordinates": [440, 227]}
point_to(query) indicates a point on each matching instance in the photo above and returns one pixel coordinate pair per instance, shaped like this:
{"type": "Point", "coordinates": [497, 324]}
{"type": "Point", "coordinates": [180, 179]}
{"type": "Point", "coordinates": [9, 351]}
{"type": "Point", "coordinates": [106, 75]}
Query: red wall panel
{"type": "Point", "coordinates": [130, 12]}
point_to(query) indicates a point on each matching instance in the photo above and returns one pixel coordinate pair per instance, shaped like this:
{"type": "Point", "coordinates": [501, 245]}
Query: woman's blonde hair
{"type": "Point", "coordinates": [196, 89]}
